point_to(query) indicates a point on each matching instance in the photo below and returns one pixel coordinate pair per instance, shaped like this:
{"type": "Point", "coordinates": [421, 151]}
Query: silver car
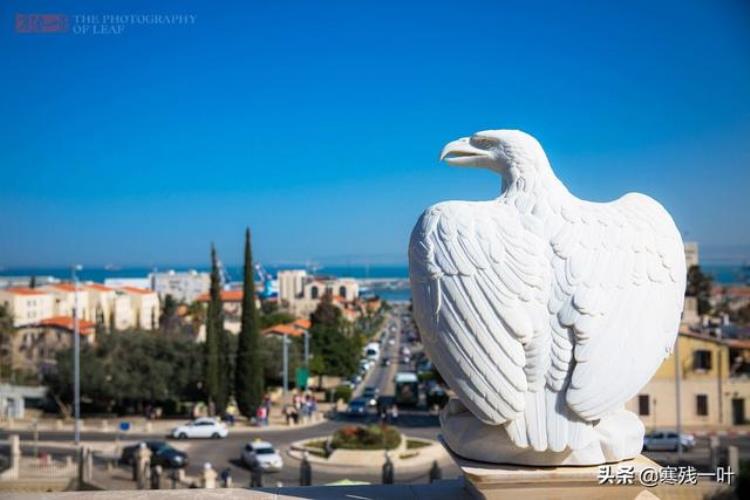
{"type": "Point", "coordinates": [667, 441]}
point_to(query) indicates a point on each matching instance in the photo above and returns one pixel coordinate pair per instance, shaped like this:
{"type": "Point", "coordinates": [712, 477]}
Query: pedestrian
{"type": "Point", "coordinates": [260, 415]}
{"type": "Point", "coordinates": [226, 478]}
{"type": "Point", "coordinates": [394, 414]}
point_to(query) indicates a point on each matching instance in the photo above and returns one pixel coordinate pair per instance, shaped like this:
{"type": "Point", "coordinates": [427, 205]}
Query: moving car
{"type": "Point", "coordinates": [667, 441]}
{"type": "Point", "coordinates": [407, 389]}
{"type": "Point", "coordinates": [370, 395]}
{"type": "Point", "coordinates": [201, 428]}
{"type": "Point", "coordinates": [357, 407]}
{"type": "Point", "coordinates": [262, 454]}
{"type": "Point", "coordinates": [385, 361]}
{"type": "Point", "coordinates": [162, 453]}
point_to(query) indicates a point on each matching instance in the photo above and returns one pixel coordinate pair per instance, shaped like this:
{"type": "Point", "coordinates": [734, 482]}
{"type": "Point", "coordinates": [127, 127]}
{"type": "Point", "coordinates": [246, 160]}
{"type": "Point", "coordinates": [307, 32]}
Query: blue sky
{"type": "Point", "coordinates": [318, 123]}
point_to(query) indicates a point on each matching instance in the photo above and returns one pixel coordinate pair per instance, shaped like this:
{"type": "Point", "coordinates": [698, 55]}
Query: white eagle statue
{"type": "Point", "coordinates": [544, 313]}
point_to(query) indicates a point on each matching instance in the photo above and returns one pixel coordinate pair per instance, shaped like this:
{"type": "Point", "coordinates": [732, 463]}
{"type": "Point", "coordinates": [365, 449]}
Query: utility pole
{"type": "Point", "coordinates": [76, 359]}
{"type": "Point", "coordinates": [307, 349]}
{"type": "Point", "coordinates": [678, 399]}
{"type": "Point", "coordinates": [286, 365]}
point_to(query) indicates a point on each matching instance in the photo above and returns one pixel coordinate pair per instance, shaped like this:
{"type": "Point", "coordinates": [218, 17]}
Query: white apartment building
{"type": "Point", "coordinates": [691, 254]}
{"type": "Point", "coordinates": [183, 287]}
{"type": "Point", "coordinates": [144, 307]}
{"type": "Point", "coordinates": [291, 284]}
{"type": "Point", "coordinates": [27, 305]}
{"type": "Point", "coordinates": [64, 299]}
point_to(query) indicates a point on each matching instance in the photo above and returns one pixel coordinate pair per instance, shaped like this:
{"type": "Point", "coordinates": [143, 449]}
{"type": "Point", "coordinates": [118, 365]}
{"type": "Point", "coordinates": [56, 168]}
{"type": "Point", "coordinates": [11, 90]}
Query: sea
{"type": "Point", "coordinates": [396, 290]}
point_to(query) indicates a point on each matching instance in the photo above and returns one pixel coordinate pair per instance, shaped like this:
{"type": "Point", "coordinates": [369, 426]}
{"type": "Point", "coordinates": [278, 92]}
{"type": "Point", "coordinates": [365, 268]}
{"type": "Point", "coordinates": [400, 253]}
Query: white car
{"type": "Point", "coordinates": [262, 454]}
{"type": "Point", "coordinates": [201, 428]}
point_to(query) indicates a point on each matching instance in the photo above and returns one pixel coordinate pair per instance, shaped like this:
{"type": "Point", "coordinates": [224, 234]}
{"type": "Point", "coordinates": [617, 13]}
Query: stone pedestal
{"type": "Point", "coordinates": [490, 481]}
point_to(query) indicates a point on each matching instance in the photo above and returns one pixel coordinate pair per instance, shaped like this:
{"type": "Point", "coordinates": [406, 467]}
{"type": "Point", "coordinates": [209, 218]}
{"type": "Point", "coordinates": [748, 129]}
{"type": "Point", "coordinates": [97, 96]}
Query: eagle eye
{"type": "Point", "coordinates": [482, 142]}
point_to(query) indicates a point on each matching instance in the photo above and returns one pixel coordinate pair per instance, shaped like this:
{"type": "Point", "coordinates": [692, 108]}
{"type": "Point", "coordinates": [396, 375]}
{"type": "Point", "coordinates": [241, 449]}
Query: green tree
{"type": "Point", "coordinates": [169, 322]}
{"type": "Point", "coordinates": [215, 371]}
{"type": "Point", "coordinates": [32, 282]}
{"type": "Point", "coordinates": [699, 286]}
{"type": "Point", "coordinates": [248, 381]}
{"type": "Point", "coordinates": [127, 370]}
{"type": "Point", "coordinates": [6, 341]}
{"type": "Point", "coordinates": [275, 318]}
{"type": "Point", "coordinates": [334, 352]}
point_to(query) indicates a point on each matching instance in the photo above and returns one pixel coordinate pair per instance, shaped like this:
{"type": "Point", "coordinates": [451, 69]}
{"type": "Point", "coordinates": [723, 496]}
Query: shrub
{"type": "Point", "coordinates": [342, 392]}
{"type": "Point", "coordinates": [412, 444]}
{"type": "Point", "coordinates": [373, 437]}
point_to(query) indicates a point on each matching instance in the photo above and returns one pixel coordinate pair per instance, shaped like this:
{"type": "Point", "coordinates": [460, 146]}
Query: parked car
{"type": "Point", "coordinates": [667, 441]}
{"type": "Point", "coordinates": [357, 407]}
{"type": "Point", "coordinates": [370, 395]}
{"type": "Point", "coordinates": [201, 428]}
{"type": "Point", "coordinates": [262, 454]}
{"type": "Point", "coordinates": [162, 453]}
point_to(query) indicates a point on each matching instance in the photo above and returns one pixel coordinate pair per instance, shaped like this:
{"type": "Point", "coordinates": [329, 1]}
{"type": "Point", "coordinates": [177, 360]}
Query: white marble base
{"type": "Point", "coordinates": [618, 437]}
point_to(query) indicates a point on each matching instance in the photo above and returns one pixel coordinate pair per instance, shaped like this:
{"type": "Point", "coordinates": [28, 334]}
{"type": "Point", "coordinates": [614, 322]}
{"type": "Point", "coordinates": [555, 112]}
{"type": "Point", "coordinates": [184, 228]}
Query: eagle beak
{"type": "Point", "coordinates": [461, 153]}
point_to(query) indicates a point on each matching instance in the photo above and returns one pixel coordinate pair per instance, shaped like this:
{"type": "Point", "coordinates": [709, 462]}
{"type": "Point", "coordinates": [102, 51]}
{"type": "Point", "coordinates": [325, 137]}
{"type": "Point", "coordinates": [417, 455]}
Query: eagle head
{"type": "Point", "coordinates": [511, 153]}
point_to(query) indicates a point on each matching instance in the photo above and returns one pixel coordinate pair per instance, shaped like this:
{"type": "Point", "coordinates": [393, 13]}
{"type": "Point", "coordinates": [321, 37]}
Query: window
{"type": "Point", "coordinates": [702, 360]}
{"type": "Point", "coordinates": [314, 292]}
{"type": "Point", "coordinates": [644, 405]}
{"type": "Point", "coordinates": [701, 405]}
{"type": "Point", "coordinates": [342, 291]}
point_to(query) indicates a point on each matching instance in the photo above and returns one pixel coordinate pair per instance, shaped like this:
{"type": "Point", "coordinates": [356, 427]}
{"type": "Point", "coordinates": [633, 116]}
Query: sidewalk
{"type": "Point", "coordinates": [157, 427]}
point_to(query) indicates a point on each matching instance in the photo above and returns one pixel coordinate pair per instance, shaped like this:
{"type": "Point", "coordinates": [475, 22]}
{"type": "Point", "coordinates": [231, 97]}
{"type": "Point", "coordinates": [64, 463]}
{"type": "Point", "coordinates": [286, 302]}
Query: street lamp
{"type": "Point", "coordinates": [286, 364]}
{"type": "Point", "coordinates": [76, 358]}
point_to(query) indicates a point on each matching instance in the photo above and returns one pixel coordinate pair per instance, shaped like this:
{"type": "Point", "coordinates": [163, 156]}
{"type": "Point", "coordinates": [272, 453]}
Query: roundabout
{"type": "Point", "coordinates": [366, 449]}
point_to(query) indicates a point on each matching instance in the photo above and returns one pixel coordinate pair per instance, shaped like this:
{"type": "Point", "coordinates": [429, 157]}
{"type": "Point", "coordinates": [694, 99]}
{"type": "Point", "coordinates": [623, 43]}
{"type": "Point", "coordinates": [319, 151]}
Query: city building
{"type": "Point", "coordinates": [231, 301]}
{"type": "Point", "coordinates": [14, 399]}
{"type": "Point", "coordinates": [301, 293]}
{"type": "Point", "coordinates": [691, 254]}
{"type": "Point", "coordinates": [714, 384]}
{"type": "Point", "coordinates": [291, 283]}
{"type": "Point", "coordinates": [33, 348]}
{"type": "Point", "coordinates": [182, 286]}
{"type": "Point", "coordinates": [27, 305]}
{"type": "Point", "coordinates": [144, 307]}
{"type": "Point", "coordinates": [102, 302]}
{"type": "Point", "coordinates": [64, 299]}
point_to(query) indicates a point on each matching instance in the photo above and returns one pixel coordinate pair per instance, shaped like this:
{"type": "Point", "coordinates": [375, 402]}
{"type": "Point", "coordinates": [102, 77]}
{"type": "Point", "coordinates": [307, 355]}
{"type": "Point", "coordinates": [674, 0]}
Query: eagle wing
{"type": "Point", "coordinates": [619, 282]}
{"type": "Point", "coordinates": [480, 285]}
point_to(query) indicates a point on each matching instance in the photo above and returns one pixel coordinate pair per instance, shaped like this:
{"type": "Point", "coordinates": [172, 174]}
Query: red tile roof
{"type": "Point", "coordinates": [226, 296]}
{"type": "Point", "coordinates": [133, 289]}
{"type": "Point", "coordinates": [302, 323]}
{"type": "Point", "coordinates": [65, 287]}
{"type": "Point", "coordinates": [283, 329]}
{"type": "Point", "coordinates": [99, 287]}
{"type": "Point", "coordinates": [66, 323]}
{"type": "Point", "coordinates": [24, 291]}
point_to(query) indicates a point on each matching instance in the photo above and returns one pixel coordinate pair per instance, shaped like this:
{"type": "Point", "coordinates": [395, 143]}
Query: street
{"type": "Point", "coordinates": [225, 453]}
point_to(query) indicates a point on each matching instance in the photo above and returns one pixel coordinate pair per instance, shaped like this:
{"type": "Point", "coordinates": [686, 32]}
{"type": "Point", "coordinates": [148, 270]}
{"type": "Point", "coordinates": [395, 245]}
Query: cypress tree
{"type": "Point", "coordinates": [214, 326]}
{"type": "Point", "coordinates": [248, 382]}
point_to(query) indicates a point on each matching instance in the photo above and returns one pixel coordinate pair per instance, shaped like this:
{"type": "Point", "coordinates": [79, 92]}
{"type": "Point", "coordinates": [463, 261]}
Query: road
{"type": "Point", "coordinates": [225, 453]}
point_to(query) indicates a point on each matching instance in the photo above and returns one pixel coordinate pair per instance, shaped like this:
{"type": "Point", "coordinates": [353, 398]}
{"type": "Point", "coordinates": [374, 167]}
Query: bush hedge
{"type": "Point", "coordinates": [373, 437]}
{"type": "Point", "coordinates": [342, 392]}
